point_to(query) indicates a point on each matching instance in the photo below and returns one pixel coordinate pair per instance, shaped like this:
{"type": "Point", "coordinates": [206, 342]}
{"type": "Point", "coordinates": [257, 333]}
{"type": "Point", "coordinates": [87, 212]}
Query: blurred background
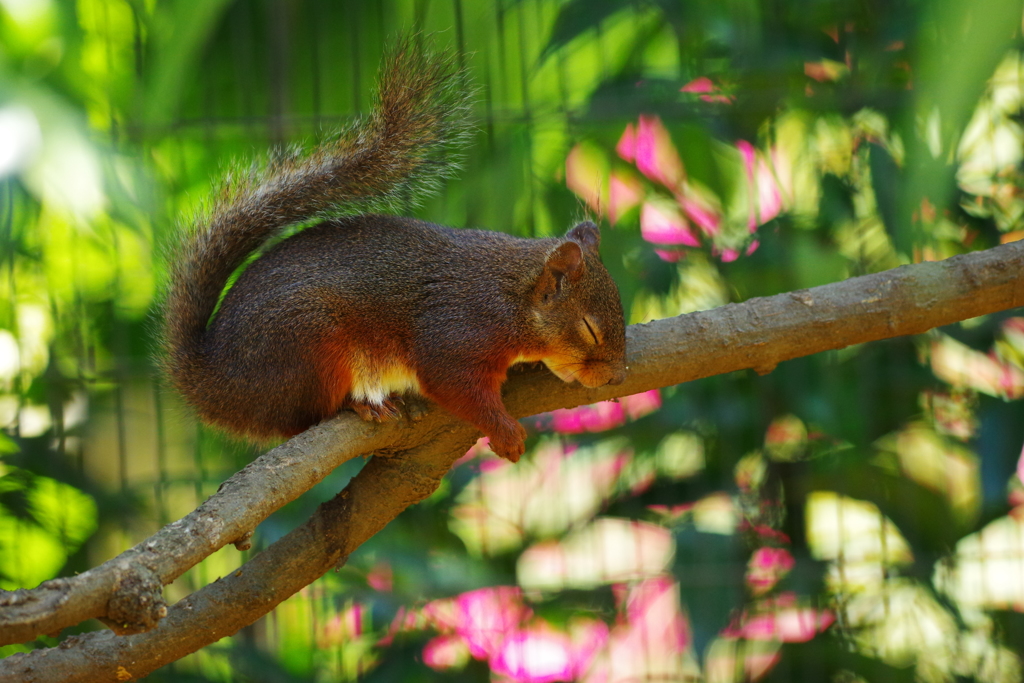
{"type": "Point", "coordinates": [853, 516]}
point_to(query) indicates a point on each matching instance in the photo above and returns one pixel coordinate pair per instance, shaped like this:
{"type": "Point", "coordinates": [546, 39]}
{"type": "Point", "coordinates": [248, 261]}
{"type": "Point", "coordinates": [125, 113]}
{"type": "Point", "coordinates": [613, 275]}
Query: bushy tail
{"type": "Point", "coordinates": [402, 151]}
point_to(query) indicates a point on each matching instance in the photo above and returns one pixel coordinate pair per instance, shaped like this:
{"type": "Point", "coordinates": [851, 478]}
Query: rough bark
{"type": "Point", "coordinates": [756, 334]}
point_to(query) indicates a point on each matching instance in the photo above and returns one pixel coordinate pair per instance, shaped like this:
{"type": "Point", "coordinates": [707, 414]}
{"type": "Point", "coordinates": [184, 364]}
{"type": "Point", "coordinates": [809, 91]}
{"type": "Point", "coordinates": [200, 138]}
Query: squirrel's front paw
{"type": "Point", "coordinates": [509, 442]}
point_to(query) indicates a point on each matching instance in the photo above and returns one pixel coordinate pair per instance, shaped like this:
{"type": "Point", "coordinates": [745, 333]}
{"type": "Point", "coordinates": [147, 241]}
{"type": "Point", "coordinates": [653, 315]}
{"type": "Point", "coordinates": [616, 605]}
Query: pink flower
{"type": "Point", "coordinates": [541, 654]}
{"type": "Point", "coordinates": [782, 620]}
{"type": "Point", "coordinates": [650, 147]}
{"type": "Point", "coordinates": [485, 617]}
{"type": "Point", "coordinates": [625, 192]}
{"type": "Point", "coordinates": [749, 156]}
{"type": "Point", "coordinates": [643, 482]}
{"type": "Point", "coordinates": [626, 147]}
{"type": "Point", "coordinates": [445, 652]}
{"type": "Point", "coordinates": [728, 255]}
{"type": "Point", "coordinates": [1013, 325]}
{"type": "Point", "coordinates": [648, 644]}
{"type": "Point", "coordinates": [705, 87]}
{"type": "Point", "coordinates": [1011, 379]}
{"type": "Point", "coordinates": [718, 99]}
{"type": "Point", "coordinates": [701, 213]}
{"type": "Point", "coordinates": [767, 565]}
{"type": "Point", "coordinates": [354, 616]}
{"type": "Point", "coordinates": [768, 534]}
{"type": "Point", "coordinates": [343, 627]}
{"type": "Point", "coordinates": [1020, 466]}
{"type": "Point", "coordinates": [786, 430]}
{"type": "Point", "coordinates": [763, 189]}
{"type": "Point", "coordinates": [648, 604]}
{"type": "Point", "coordinates": [959, 365]}
{"type": "Point", "coordinates": [586, 172]}
{"type": "Point", "coordinates": [776, 559]}
{"type": "Point", "coordinates": [670, 513]}
{"type": "Point", "coordinates": [598, 417]}
{"type": "Point", "coordinates": [442, 615]}
{"type": "Point", "coordinates": [699, 85]}
{"type": "Point", "coordinates": [671, 255]}
{"type": "Point", "coordinates": [589, 637]}
{"type": "Point", "coordinates": [663, 224]}
{"type": "Point", "coordinates": [380, 578]}
{"type": "Point", "coordinates": [482, 618]}
{"type": "Point", "coordinates": [491, 624]}
{"type": "Point", "coordinates": [734, 656]}
{"type": "Point", "coordinates": [404, 621]}
{"type": "Point", "coordinates": [644, 403]}
{"type": "Point", "coordinates": [788, 626]}
{"type": "Point", "coordinates": [825, 70]}
{"type": "Point", "coordinates": [535, 655]}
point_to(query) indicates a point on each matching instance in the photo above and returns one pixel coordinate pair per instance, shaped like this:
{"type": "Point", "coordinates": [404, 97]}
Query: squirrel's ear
{"type": "Point", "coordinates": [587, 235]}
{"type": "Point", "coordinates": [565, 262]}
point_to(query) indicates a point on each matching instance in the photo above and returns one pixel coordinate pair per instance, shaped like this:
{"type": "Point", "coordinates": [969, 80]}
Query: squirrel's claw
{"type": "Point", "coordinates": [385, 411]}
{"type": "Point", "coordinates": [509, 441]}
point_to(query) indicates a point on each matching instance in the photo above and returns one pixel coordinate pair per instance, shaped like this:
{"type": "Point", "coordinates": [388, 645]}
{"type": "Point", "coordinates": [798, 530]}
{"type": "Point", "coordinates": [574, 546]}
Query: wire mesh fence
{"type": "Point", "coordinates": [853, 515]}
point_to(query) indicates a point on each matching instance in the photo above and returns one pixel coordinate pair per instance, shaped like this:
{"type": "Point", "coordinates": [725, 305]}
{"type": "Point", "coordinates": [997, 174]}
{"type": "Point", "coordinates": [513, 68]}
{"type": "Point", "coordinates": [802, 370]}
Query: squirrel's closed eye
{"type": "Point", "coordinates": [592, 329]}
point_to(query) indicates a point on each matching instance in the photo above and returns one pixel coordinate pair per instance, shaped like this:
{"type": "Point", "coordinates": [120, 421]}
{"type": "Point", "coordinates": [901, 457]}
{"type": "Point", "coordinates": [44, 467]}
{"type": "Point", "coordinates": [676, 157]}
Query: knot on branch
{"type": "Point", "coordinates": [244, 542]}
{"type": "Point", "coordinates": [137, 604]}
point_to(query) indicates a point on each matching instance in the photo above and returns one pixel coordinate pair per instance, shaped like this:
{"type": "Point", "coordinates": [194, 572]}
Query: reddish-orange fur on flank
{"type": "Point", "coordinates": [335, 373]}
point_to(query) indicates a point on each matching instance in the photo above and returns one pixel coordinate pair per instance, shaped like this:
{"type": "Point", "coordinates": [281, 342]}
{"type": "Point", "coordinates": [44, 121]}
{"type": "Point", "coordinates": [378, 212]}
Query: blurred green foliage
{"type": "Point", "coordinates": [851, 516]}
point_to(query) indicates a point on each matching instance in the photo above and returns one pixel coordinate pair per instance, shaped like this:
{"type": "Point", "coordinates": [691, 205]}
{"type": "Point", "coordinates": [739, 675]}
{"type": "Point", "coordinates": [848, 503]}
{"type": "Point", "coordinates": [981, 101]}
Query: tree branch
{"type": "Point", "coordinates": [126, 591]}
{"type": "Point", "coordinates": [756, 334]}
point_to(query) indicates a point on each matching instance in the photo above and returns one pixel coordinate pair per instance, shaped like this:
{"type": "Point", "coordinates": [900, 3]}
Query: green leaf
{"type": "Point", "coordinates": [185, 28]}
{"type": "Point", "coordinates": [965, 41]}
{"type": "Point", "coordinates": [579, 16]}
{"type": "Point", "coordinates": [8, 445]}
{"type": "Point", "coordinates": [62, 510]}
{"type": "Point", "coordinates": [28, 554]}
{"type": "Point", "coordinates": [887, 183]}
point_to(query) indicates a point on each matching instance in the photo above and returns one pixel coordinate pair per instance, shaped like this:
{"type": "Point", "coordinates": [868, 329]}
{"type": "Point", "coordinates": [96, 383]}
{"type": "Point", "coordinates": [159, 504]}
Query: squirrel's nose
{"type": "Point", "coordinates": [618, 378]}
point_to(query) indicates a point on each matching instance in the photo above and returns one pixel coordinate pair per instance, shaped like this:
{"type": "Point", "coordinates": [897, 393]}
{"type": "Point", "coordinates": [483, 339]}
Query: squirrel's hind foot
{"type": "Point", "coordinates": [385, 411]}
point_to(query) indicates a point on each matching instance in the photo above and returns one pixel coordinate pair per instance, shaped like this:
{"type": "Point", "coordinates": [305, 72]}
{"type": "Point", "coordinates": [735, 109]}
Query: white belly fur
{"type": "Point", "coordinates": [375, 380]}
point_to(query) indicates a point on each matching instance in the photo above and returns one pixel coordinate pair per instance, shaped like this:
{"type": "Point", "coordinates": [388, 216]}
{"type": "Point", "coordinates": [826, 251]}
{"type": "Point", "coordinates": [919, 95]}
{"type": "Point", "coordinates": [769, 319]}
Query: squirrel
{"type": "Point", "coordinates": [362, 308]}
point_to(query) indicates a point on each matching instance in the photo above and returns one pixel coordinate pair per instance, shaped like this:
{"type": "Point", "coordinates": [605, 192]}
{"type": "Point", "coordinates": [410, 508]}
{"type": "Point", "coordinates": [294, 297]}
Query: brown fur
{"type": "Point", "coordinates": [353, 310]}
